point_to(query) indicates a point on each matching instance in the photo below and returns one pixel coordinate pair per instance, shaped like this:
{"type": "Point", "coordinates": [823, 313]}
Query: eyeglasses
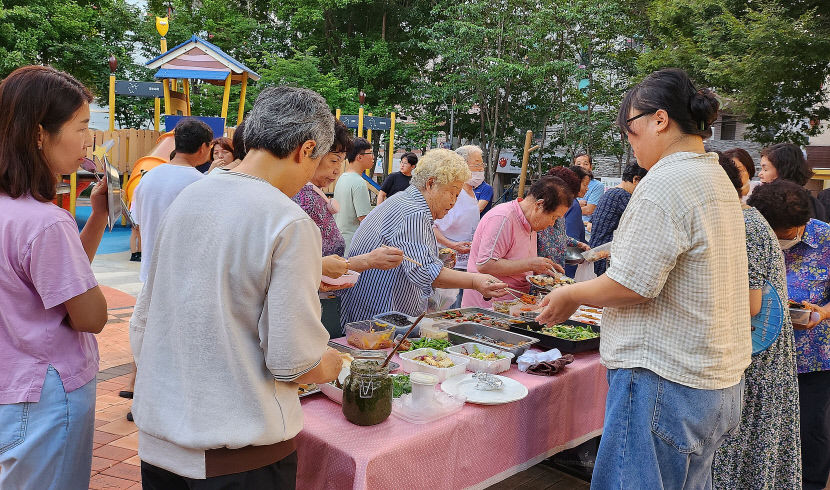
{"type": "Point", "coordinates": [638, 116]}
{"type": "Point", "coordinates": [366, 153]}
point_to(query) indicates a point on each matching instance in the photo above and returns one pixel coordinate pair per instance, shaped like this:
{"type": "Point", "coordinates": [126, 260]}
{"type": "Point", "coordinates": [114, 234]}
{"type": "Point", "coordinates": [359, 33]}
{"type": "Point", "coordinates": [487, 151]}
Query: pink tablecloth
{"type": "Point", "coordinates": [478, 446]}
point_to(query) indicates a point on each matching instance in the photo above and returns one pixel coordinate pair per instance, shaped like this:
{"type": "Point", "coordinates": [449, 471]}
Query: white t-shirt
{"type": "Point", "coordinates": [460, 224]}
{"type": "Point", "coordinates": [154, 194]}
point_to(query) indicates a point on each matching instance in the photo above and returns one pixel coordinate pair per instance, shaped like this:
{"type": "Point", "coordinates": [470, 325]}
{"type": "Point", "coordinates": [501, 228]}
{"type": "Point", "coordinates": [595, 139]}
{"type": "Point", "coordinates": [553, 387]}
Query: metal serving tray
{"type": "Point", "coordinates": [438, 315]}
{"type": "Point", "coordinates": [466, 332]}
{"type": "Point", "coordinates": [564, 345]}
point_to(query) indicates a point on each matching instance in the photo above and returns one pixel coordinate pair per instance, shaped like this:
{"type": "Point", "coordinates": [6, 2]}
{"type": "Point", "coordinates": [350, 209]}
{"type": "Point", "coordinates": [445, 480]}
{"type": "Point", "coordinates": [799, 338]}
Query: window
{"type": "Point", "coordinates": [728, 127]}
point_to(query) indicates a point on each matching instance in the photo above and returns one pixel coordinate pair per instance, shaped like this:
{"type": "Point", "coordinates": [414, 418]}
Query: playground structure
{"type": "Point", "coordinates": [138, 151]}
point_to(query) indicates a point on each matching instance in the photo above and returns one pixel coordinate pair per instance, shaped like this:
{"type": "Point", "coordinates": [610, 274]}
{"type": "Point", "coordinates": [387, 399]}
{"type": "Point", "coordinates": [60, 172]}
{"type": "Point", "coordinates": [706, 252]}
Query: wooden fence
{"type": "Point", "coordinates": [130, 145]}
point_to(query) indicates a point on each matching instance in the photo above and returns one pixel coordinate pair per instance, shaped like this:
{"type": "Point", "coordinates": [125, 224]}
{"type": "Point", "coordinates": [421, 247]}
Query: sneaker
{"type": "Point", "coordinates": [135, 257]}
{"type": "Point", "coordinates": [125, 394]}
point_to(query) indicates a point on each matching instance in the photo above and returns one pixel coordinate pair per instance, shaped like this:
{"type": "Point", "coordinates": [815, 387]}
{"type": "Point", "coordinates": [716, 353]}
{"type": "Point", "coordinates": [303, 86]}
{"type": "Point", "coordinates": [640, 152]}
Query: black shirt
{"type": "Point", "coordinates": [395, 182]}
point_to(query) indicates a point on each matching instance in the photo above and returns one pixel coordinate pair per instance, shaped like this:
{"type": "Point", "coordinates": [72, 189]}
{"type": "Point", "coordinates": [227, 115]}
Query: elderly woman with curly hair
{"type": "Point", "coordinates": [405, 221]}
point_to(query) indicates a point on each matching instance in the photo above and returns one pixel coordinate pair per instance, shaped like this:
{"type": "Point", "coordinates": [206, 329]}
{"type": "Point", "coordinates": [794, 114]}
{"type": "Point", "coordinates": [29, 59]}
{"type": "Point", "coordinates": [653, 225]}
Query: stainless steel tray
{"type": "Point", "coordinates": [472, 332]}
{"type": "Point", "coordinates": [439, 315]}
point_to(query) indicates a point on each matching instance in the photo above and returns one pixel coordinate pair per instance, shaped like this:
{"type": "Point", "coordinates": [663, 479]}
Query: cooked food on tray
{"type": "Point", "coordinates": [303, 389]}
{"type": "Point", "coordinates": [480, 318]}
{"type": "Point", "coordinates": [400, 385]}
{"type": "Point", "coordinates": [396, 319]}
{"type": "Point", "coordinates": [504, 306]}
{"type": "Point", "coordinates": [482, 356]}
{"type": "Point", "coordinates": [437, 344]}
{"type": "Point", "coordinates": [569, 332]}
{"type": "Point", "coordinates": [500, 343]}
{"type": "Point", "coordinates": [549, 281]}
{"type": "Point", "coordinates": [438, 360]}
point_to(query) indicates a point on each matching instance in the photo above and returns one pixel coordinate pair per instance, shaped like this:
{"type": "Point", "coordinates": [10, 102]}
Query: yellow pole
{"type": "Point", "coordinates": [167, 109]}
{"type": "Point", "coordinates": [242, 93]}
{"type": "Point", "coordinates": [112, 103]}
{"type": "Point", "coordinates": [156, 115]}
{"type": "Point", "coordinates": [337, 114]}
{"type": "Point", "coordinates": [391, 140]}
{"type": "Point", "coordinates": [525, 156]}
{"type": "Point", "coordinates": [163, 44]}
{"type": "Point", "coordinates": [73, 189]}
{"type": "Point", "coordinates": [226, 97]}
{"type": "Point", "coordinates": [186, 84]}
{"type": "Point", "coordinates": [369, 131]}
{"type": "Point", "coordinates": [359, 123]}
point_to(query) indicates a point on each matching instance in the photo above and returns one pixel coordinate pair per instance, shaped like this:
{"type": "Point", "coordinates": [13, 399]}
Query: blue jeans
{"type": "Point", "coordinates": [48, 443]}
{"type": "Point", "coordinates": [662, 435]}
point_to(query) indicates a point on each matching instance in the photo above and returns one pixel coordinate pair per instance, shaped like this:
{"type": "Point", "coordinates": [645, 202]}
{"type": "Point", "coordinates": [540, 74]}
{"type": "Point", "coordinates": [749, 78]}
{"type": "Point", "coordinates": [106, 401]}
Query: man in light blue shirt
{"type": "Point", "coordinates": [595, 188]}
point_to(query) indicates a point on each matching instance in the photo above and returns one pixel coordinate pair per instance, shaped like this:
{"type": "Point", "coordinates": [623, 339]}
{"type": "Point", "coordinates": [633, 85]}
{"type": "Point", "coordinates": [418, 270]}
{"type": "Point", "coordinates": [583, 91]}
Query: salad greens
{"type": "Point", "coordinates": [437, 344]}
{"type": "Point", "coordinates": [483, 356]}
{"type": "Point", "coordinates": [400, 385]}
{"type": "Point", "coordinates": [569, 332]}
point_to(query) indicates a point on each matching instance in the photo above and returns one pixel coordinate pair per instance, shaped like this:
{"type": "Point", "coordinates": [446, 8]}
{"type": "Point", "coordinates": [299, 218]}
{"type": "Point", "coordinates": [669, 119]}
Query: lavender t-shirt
{"type": "Point", "coordinates": [42, 265]}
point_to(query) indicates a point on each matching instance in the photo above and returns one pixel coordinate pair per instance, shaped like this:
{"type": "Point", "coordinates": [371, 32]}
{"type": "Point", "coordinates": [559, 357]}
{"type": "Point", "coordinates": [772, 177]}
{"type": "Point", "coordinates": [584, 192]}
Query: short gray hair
{"type": "Point", "coordinates": [466, 150]}
{"type": "Point", "coordinates": [284, 117]}
{"type": "Point", "coordinates": [445, 166]}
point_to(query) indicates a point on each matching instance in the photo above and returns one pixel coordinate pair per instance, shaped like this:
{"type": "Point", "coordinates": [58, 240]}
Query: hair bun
{"type": "Point", "coordinates": [703, 107]}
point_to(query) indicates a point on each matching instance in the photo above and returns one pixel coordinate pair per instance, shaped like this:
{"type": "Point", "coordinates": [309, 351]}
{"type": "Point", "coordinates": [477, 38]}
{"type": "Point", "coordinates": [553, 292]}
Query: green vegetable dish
{"type": "Point", "coordinates": [482, 356]}
{"type": "Point", "coordinates": [569, 332]}
{"type": "Point", "coordinates": [426, 342]}
{"type": "Point", "coordinates": [400, 385]}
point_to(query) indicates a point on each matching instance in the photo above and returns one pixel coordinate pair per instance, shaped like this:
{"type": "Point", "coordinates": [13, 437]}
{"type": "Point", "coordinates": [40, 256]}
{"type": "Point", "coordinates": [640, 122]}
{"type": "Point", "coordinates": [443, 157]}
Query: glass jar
{"type": "Point", "coordinates": [367, 393]}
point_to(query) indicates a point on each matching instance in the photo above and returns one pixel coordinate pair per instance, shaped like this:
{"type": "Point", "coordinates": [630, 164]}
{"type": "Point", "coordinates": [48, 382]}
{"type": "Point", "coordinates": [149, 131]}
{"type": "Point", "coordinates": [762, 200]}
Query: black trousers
{"type": "Point", "coordinates": [814, 396]}
{"type": "Point", "coordinates": [281, 475]}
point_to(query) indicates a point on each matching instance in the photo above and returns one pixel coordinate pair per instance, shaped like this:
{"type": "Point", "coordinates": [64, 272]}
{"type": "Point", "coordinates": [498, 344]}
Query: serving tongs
{"type": "Point", "coordinates": [514, 292]}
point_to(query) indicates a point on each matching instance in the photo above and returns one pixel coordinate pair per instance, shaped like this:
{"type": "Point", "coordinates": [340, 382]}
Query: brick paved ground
{"type": "Point", "coordinates": [115, 463]}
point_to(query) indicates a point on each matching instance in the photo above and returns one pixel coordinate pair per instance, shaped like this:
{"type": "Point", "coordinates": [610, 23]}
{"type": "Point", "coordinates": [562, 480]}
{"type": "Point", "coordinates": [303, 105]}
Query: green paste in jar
{"type": "Point", "coordinates": [367, 393]}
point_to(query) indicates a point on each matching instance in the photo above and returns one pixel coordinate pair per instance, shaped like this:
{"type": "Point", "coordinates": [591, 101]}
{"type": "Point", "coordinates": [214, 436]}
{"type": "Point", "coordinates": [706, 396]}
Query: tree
{"type": "Point", "coordinates": [769, 60]}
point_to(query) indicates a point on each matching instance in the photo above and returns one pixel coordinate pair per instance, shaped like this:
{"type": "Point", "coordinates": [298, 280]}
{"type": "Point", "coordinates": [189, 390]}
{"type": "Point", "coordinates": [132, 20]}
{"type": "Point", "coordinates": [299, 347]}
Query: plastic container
{"type": "Point", "coordinates": [411, 366]}
{"type": "Point", "coordinates": [432, 330]}
{"type": "Point", "coordinates": [400, 326]}
{"type": "Point", "coordinates": [370, 335]}
{"type": "Point", "coordinates": [476, 365]}
{"type": "Point", "coordinates": [801, 316]}
{"type": "Point", "coordinates": [597, 253]}
{"type": "Point", "coordinates": [423, 389]}
{"type": "Point", "coordinates": [347, 279]}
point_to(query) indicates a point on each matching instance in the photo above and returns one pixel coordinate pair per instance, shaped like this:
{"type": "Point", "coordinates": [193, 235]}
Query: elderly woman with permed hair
{"type": "Point", "coordinates": [405, 221]}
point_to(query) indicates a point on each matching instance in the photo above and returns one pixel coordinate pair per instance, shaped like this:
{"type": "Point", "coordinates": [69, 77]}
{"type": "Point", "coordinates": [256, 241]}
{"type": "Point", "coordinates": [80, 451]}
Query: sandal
{"type": "Point", "coordinates": [126, 394]}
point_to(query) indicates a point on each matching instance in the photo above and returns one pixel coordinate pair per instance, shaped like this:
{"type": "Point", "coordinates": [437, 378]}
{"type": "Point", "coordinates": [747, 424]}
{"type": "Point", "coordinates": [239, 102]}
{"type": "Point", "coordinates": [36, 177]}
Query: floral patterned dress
{"type": "Point", "coordinates": [316, 207]}
{"type": "Point", "coordinates": [552, 242]}
{"type": "Point", "coordinates": [765, 451]}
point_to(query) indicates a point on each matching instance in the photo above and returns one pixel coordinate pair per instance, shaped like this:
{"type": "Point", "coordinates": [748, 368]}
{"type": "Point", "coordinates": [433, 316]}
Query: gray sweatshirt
{"type": "Point", "coordinates": [227, 319]}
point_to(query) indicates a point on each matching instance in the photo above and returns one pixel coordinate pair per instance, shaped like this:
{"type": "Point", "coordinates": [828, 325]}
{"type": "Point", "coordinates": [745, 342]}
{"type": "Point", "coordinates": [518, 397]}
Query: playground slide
{"type": "Point", "coordinates": [160, 154]}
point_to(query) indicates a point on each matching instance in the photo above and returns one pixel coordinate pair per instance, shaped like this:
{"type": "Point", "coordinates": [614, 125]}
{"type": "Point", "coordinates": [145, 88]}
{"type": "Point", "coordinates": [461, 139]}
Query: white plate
{"type": "Point", "coordinates": [350, 277]}
{"type": "Point", "coordinates": [465, 385]}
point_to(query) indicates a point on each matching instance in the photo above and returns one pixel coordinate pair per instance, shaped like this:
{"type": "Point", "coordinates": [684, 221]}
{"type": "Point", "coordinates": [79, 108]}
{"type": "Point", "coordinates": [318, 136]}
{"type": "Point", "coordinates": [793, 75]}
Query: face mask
{"type": "Point", "coordinates": [788, 244]}
{"type": "Point", "coordinates": [476, 180]}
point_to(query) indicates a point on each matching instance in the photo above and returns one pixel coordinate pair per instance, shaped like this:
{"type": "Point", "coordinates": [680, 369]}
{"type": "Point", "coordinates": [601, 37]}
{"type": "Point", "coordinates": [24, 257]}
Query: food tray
{"type": "Point", "coordinates": [466, 332]}
{"type": "Point", "coordinates": [314, 388]}
{"type": "Point", "coordinates": [399, 329]}
{"type": "Point", "coordinates": [499, 317]}
{"type": "Point", "coordinates": [476, 365]}
{"type": "Point", "coordinates": [358, 335]}
{"type": "Point", "coordinates": [564, 345]}
{"type": "Point", "coordinates": [411, 366]}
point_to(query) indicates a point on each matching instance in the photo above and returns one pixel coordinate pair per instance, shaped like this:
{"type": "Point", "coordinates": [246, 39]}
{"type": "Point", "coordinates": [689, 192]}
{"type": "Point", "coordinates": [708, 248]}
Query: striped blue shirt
{"type": "Point", "coordinates": [403, 221]}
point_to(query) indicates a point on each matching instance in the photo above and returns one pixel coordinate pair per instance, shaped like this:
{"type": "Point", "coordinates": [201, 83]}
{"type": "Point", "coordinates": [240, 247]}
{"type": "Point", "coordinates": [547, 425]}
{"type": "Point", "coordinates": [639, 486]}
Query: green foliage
{"type": "Point", "coordinates": [768, 59]}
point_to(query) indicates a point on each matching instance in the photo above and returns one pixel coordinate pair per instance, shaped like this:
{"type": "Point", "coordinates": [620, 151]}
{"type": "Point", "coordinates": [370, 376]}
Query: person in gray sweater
{"type": "Point", "coordinates": [229, 320]}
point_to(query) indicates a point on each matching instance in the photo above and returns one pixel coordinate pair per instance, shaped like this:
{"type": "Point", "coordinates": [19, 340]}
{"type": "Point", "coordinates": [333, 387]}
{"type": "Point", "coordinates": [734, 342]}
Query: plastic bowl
{"type": "Point", "coordinates": [476, 365]}
{"type": "Point", "coordinates": [412, 366]}
{"type": "Point", "coordinates": [370, 335]}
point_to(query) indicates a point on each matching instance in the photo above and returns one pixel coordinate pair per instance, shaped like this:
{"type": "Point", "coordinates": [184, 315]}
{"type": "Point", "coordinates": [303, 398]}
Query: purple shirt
{"type": "Point", "coordinates": [42, 265]}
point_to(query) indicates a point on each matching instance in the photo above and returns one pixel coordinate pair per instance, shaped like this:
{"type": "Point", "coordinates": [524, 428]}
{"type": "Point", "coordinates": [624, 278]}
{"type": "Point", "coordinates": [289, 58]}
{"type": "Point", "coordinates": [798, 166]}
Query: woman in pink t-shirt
{"type": "Point", "coordinates": [50, 303]}
{"type": "Point", "coordinates": [504, 244]}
